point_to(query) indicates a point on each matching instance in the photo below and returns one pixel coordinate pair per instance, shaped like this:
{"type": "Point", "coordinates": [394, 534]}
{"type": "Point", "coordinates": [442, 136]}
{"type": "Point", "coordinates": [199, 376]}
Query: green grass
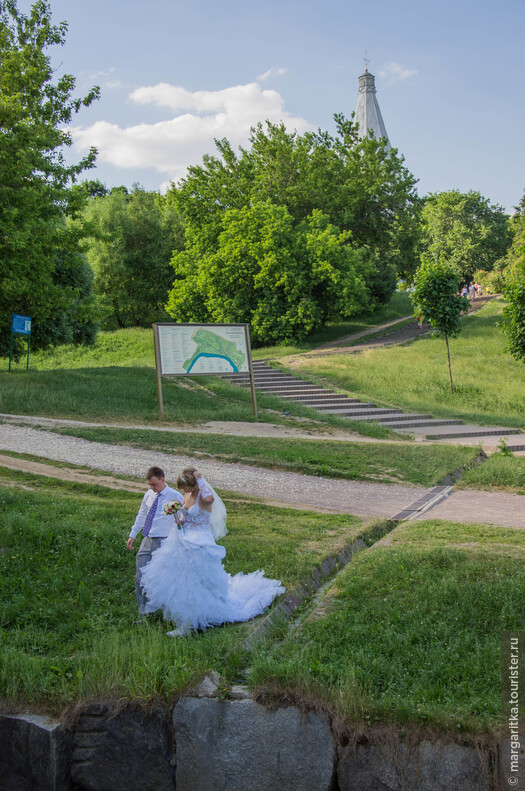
{"type": "Point", "coordinates": [133, 347]}
{"type": "Point", "coordinates": [489, 384]}
{"type": "Point", "coordinates": [130, 394]}
{"type": "Point", "coordinates": [498, 472]}
{"type": "Point", "coordinates": [412, 633]}
{"type": "Point", "coordinates": [115, 380]}
{"type": "Point", "coordinates": [122, 394]}
{"type": "Point", "coordinates": [387, 463]}
{"type": "Point", "coordinates": [68, 605]}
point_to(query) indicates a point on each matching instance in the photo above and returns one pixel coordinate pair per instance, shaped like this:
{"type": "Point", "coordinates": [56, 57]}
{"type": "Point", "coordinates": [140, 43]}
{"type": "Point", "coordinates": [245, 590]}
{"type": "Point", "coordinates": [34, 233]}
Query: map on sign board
{"type": "Point", "coordinates": [202, 348]}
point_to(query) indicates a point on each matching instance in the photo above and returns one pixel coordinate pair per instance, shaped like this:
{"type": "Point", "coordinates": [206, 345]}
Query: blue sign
{"type": "Point", "coordinates": [21, 324]}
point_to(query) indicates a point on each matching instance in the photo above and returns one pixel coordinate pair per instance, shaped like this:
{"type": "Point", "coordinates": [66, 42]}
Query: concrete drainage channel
{"type": "Point", "coordinates": [215, 739]}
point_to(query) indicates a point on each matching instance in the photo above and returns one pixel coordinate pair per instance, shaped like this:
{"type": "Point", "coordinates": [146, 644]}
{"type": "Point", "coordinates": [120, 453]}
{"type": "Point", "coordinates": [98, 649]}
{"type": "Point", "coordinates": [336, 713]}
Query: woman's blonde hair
{"type": "Point", "coordinates": [187, 480]}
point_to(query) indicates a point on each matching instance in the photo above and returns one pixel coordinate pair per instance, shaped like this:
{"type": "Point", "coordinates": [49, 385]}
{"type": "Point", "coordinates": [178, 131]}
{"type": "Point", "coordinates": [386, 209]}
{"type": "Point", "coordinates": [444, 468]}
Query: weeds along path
{"type": "Point", "coordinates": [306, 491]}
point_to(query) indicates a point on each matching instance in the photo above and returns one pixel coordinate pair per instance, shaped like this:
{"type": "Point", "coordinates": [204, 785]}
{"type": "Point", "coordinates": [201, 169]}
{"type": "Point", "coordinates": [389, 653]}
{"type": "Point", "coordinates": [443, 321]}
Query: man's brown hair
{"type": "Point", "coordinates": [155, 472]}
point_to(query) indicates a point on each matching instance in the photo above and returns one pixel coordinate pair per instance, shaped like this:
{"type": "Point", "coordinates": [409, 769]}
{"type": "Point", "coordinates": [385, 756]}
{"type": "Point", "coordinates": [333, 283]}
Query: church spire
{"type": "Point", "coordinates": [368, 115]}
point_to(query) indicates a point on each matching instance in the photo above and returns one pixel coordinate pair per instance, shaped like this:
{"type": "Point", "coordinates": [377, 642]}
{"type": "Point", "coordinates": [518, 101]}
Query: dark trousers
{"type": "Point", "coordinates": [146, 550]}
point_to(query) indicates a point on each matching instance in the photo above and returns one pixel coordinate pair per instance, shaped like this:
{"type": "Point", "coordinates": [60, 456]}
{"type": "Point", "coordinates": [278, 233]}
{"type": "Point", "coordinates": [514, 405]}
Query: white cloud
{"type": "Point", "coordinates": [274, 72]}
{"type": "Point", "coordinates": [103, 78]}
{"type": "Point", "coordinates": [394, 72]}
{"type": "Point", "coordinates": [171, 146]}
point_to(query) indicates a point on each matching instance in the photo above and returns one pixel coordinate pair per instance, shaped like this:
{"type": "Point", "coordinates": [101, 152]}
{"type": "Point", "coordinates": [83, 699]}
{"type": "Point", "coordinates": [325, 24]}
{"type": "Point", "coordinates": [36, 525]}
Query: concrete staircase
{"type": "Point", "coordinates": [290, 388]}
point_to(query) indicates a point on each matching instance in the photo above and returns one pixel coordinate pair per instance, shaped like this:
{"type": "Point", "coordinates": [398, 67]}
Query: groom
{"type": "Point", "coordinates": [154, 523]}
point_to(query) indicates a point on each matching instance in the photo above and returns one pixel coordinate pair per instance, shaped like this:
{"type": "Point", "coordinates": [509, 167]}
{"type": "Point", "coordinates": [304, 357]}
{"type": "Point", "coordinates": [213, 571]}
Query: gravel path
{"type": "Point", "coordinates": [355, 497]}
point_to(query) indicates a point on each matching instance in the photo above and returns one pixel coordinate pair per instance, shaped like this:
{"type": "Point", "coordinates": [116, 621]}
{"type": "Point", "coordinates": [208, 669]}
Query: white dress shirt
{"type": "Point", "coordinates": [162, 523]}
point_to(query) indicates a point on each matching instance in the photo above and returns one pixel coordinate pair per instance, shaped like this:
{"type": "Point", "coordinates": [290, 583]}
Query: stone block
{"type": "Point", "coordinates": [127, 751]}
{"type": "Point", "coordinates": [424, 766]}
{"type": "Point", "coordinates": [240, 746]}
{"type": "Point", "coordinates": [512, 762]}
{"type": "Point", "coordinates": [208, 686]}
{"type": "Point", "coordinates": [35, 753]}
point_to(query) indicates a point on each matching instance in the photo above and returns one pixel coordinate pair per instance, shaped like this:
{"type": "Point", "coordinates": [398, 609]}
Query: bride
{"type": "Point", "coordinates": [185, 577]}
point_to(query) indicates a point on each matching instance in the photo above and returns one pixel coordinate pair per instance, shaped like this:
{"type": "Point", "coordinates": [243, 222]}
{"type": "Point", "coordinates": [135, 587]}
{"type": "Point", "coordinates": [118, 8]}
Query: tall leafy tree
{"type": "Point", "coordinates": [514, 312]}
{"type": "Point", "coordinates": [131, 239]}
{"type": "Point", "coordinates": [364, 193]}
{"type": "Point", "coordinates": [435, 299]}
{"type": "Point", "coordinates": [284, 279]}
{"type": "Point", "coordinates": [514, 290]}
{"type": "Point", "coordinates": [41, 272]}
{"type": "Point", "coordinates": [465, 229]}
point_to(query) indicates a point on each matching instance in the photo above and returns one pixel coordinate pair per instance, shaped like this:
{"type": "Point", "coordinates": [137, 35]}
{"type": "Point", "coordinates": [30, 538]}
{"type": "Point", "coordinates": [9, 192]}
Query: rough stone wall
{"type": "Point", "coordinates": [207, 744]}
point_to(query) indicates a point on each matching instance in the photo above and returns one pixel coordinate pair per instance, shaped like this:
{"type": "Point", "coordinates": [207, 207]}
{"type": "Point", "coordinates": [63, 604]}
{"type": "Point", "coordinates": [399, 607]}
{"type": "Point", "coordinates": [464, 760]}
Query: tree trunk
{"type": "Point", "coordinates": [449, 368]}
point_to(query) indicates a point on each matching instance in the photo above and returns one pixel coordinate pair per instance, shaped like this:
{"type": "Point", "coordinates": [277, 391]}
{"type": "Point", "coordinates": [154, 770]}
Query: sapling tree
{"type": "Point", "coordinates": [435, 299]}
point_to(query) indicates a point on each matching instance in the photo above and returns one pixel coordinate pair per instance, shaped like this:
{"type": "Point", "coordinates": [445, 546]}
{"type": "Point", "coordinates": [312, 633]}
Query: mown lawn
{"type": "Point", "coordinates": [123, 394]}
{"type": "Point", "coordinates": [489, 386]}
{"type": "Point", "coordinates": [67, 592]}
{"type": "Point", "coordinates": [380, 462]}
{"type": "Point", "coordinates": [115, 380]}
{"type": "Point", "coordinates": [498, 472]}
{"type": "Point", "coordinates": [412, 632]}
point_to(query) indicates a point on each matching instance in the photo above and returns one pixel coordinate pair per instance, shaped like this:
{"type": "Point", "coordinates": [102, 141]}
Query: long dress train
{"type": "Point", "coordinates": [187, 581]}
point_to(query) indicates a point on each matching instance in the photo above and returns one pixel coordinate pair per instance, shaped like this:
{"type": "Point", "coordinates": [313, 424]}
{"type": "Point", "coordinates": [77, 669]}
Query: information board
{"type": "Point", "coordinates": [203, 349]}
{"type": "Point", "coordinates": [21, 324]}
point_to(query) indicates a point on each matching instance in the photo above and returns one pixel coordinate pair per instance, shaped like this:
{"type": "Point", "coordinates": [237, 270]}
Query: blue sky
{"type": "Point", "coordinates": [174, 74]}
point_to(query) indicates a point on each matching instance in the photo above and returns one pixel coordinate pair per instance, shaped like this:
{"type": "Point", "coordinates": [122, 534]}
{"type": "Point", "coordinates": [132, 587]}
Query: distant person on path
{"type": "Point", "coordinates": [186, 578]}
{"type": "Point", "coordinates": [464, 291]}
{"type": "Point", "coordinates": [472, 291]}
{"type": "Point", "coordinates": [154, 523]}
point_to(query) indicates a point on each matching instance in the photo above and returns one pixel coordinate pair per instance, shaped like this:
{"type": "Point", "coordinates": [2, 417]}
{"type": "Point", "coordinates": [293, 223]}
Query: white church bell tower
{"type": "Point", "coordinates": [368, 115]}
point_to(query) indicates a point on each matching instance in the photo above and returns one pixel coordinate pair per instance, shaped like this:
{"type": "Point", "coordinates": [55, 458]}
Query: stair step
{"type": "Point", "coordinates": [464, 431]}
{"type": "Point", "coordinates": [411, 422]}
{"type": "Point", "coordinates": [291, 388]}
{"type": "Point", "coordinates": [380, 417]}
{"type": "Point", "coordinates": [242, 378]}
{"type": "Point", "coordinates": [356, 413]}
{"type": "Point", "coordinates": [321, 397]}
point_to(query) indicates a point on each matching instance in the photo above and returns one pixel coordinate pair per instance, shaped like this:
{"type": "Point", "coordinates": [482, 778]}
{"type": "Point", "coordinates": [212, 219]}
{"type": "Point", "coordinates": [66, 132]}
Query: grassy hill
{"type": "Point", "coordinates": [489, 386]}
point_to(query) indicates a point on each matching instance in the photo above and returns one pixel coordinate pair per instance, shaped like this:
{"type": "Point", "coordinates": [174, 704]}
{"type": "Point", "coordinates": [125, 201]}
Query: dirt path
{"type": "Point", "coordinates": [411, 331]}
{"type": "Point", "coordinates": [235, 428]}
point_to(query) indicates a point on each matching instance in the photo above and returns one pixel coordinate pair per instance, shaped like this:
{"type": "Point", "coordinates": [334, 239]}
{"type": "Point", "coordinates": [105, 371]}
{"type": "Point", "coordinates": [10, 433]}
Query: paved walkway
{"type": "Point", "coordinates": [472, 505]}
{"type": "Point", "coordinates": [356, 497]}
{"type": "Point", "coordinates": [367, 500]}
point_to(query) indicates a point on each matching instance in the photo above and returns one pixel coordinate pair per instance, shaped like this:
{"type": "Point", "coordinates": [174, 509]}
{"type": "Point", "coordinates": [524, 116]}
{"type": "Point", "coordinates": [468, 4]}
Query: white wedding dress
{"type": "Point", "coordinates": [187, 581]}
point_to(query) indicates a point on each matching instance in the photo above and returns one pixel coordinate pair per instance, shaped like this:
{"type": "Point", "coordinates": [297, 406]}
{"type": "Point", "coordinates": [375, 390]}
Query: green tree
{"type": "Point", "coordinates": [361, 191]}
{"type": "Point", "coordinates": [464, 229]}
{"type": "Point", "coordinates": [285, 280]}
{"type": "Point", "coordinates": [514, 290]}
{"type": "Point", "coordinates": [41, 273]}
{"type": "Point", "coordinates": [516, 254]}
{"type": "Point", "coordinates": [131, 240]}
{"type": "Point", "coordinates": [514, 312]}
{"type": "Point", "coordinates": [436, 301]}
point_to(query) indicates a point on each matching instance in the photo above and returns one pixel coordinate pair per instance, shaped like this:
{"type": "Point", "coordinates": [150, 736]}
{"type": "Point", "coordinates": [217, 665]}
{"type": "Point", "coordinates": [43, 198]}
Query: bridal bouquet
{"type": "Point", "coordinates": [172, 508]}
